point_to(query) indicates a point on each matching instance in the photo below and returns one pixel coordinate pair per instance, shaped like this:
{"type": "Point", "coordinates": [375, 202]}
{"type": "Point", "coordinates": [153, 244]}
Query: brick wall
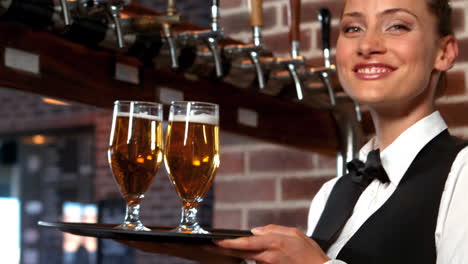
{"type": "Point", "coordinates": [261, 183]}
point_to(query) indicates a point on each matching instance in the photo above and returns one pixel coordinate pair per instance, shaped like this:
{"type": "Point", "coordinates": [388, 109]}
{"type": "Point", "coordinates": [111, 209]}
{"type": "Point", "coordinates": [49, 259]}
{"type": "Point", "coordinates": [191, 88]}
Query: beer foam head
{"type": "Point", "coordinates": [142, 116]}
{"type": "Point", "coordinates": [201, 119]}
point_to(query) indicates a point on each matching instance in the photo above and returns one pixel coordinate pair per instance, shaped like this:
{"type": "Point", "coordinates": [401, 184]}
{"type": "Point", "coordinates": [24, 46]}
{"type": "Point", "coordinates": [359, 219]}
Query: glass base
{"type": "Point", "coordinates": [195, 229]}
{"type": "Point", "coordinates": [132, 227]}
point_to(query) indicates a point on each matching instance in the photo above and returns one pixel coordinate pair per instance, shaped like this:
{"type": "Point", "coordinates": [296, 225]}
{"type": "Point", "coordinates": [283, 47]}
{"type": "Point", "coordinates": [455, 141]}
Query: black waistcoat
{"type": "Point", "coordinates": [402, 230]}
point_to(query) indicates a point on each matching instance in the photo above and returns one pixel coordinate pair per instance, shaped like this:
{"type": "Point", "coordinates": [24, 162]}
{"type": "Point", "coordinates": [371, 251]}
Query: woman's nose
{"type": "Point", "coordinates": [371, 43]}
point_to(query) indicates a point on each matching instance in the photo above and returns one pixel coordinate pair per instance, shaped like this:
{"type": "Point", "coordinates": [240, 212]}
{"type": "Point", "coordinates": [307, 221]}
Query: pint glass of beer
{"type": "Point", "coordinates": [192, 156]}
{"type": "Point", "coordinates": [135, 153]}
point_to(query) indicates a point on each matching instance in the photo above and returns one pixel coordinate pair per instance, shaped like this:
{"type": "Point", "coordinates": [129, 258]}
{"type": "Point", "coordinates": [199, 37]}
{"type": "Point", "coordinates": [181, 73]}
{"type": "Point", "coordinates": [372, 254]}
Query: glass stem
{"type": "Point", "coordinates": [189, 218]}
{"type": "Point", "coordinates": [132, 215]}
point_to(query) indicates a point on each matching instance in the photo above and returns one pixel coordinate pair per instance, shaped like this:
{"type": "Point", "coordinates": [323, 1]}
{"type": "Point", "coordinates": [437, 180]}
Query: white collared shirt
{"type": "Point", "coordinates": [451, 233]}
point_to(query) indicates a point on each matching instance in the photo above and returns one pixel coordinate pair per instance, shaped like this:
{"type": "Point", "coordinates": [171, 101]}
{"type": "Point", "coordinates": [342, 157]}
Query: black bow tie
{"type": "Point", "coordinates": [364, 173]}
{"type": "Point", "coordinates": [345, 193]}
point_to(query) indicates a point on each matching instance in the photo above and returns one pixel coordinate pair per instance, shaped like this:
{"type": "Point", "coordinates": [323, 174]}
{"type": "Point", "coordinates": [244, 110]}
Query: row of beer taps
{"type": "Point", "coordinates": [157, 40]}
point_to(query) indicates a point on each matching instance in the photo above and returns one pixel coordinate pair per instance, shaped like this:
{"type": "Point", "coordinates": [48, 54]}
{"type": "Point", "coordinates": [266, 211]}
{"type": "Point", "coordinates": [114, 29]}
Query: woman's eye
{"type": "Point", "coordinates": [351, 29]}
{"type": "Point", "coordinates": [399, 27]}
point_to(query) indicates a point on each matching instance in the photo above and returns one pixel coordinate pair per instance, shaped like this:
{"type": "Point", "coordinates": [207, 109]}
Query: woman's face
{"type": "Point", "coordinates": [386, 51]}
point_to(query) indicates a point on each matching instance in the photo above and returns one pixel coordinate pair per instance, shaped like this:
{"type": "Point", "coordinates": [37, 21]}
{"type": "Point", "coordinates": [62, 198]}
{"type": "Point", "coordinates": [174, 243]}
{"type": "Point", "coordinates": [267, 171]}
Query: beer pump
{"type": "Point", "coordinates": [209, 37]}
{"type": "Point", "coordinates": [168, 35]}
{"type": "Point", "coordinates": [345, 111]}
{"type": "Point", "coordinates": [254, 50]}
{"type": "Point", "coordinates": [291, 64]}
{"type": "Point", "coordinates": [324, 16]}
{"type": "Point", "coordinates": [108, 9]}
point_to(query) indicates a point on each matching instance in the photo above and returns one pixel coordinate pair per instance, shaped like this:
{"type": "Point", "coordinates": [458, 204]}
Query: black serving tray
{"type": "Point", "coordinates": [157, 233]}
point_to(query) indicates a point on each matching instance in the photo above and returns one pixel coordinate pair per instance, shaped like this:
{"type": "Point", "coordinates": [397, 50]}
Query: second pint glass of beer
{"type": "Point", "coordinates": [192, 156]}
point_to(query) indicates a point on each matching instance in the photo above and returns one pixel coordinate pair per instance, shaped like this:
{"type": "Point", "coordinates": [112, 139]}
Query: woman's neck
{"type": "Point", "coordinates": [389, 125]}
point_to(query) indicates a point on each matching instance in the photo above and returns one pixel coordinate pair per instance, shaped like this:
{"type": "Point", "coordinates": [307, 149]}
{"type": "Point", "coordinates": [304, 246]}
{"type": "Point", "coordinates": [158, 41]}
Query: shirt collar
{"type": "Point", "coordinates": [399, 155]}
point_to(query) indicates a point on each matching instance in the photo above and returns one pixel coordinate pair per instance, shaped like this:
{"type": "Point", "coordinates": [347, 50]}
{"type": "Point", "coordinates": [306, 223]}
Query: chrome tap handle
{"type": "Point", "coordinates": [65, 12]}
{"type": "Point", "coordinates": [167, 33]}
{"type": "Point", "coordinates": [297, 81]}
{"type": "Point", "coordinates": [325, 77]}
{"type": "Point", "coordinates": [115, 15]}
{"type": "Point", "coordinates": [324, 16]}
{"type": "Point", "coordinates": [212, 44]}
{"type": "Point", "coordinates": [255, 58]}
{"type": "Point", "coordinates": [172, 45]}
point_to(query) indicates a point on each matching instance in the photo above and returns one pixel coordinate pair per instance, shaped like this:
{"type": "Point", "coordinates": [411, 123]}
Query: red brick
{"type": "Point", "coordinates": [228, 219]}
{"type": "Point", "coordinates": [231, 162]}
{"type": "Point", "coordinates": [301, 188]}
{"type": "Point", "coordinates": [235, 23]}
{"type": "Point", "coordinates": [287, 217]}
{"type": "Point", "coordinates": [455, 83]}
{"type": "Point", "coordinates": [458, 19]}
{"type": "Point", "coordinates": [280, 42]}
{"type": "Point", "coordinates": [240, 22]}
{"type": "Point", "coordinates": [309, 10]}
{"type": "Point", "coordinates": [326, 162]}
{"type": "Point", "coordinates": [245, 191]}
{"type": "Point", "coordinates": [230, 4]}
{"type": "Point", "coordinates": [454, 114]}
{"type": "Point", "coordinates": [463, 55]}
{"type": "Point", "coordinates": [270, 18]}
{"type": "Point", "coordinates": [280, 160]}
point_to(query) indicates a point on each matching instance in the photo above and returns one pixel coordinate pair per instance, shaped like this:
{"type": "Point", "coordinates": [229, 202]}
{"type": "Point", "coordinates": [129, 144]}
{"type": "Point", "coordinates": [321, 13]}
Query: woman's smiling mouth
{"type": "Point", "coordinates": [372, 71]}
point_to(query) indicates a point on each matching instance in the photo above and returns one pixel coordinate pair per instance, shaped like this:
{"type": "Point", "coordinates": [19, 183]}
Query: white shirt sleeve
{"type": "Point", "coordinates": [452, 228]}
{"type": "Point", "coordinates": [318, 204]}
{"type": "Point", "coordinates": [335, 261]}
{"type": "Point", "coordinates": [316, 208]}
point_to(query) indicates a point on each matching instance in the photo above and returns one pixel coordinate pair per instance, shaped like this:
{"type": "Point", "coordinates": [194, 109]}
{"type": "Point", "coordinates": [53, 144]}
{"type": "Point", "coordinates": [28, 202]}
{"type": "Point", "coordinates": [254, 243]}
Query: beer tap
{"type": "Point", "coordinates": [295, 61]}
{"type": "Point", "coordinates": [111, 9]}
{"type": "Point", "coordinates": [168, 34]}
{"type": "Point", "coordinates": [114, 7]}
{"type": "Point", "coordinates": [255, 49]}
{"type": "Point", "coordinates": [65, 10]}
{"type": "Point", "coordinates": [209, 37]}
{"type": "Point", "coordinates": [324, 16]}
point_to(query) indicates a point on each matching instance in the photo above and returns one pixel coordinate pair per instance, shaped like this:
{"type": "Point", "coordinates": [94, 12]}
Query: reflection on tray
{"type": "Point", "coordinates": [157, 233]}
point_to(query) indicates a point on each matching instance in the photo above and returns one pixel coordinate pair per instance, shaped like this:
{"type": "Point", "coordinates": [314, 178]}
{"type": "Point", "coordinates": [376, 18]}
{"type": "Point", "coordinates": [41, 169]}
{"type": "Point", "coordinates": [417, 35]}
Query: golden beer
{"type": "Point", "coordinates": [192, 157]}
{"type": "Point", "coordinates": [135, 153]}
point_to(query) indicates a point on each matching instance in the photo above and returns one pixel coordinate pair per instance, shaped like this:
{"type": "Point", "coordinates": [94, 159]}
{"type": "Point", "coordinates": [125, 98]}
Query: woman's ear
{"type": "Point", "coordinates": [448, 52]}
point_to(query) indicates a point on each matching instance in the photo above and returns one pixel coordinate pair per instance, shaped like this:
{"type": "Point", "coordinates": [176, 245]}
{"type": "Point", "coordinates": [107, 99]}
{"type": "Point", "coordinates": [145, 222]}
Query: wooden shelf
{"type": "Point", "coordinates": [77, 73]}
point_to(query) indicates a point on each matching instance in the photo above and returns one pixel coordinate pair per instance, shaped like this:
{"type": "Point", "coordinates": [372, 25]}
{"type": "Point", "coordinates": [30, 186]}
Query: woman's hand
{"type": "Point", "coordinates": [275, 244]}
{"type": "Point", "coordinates": [201, 253]}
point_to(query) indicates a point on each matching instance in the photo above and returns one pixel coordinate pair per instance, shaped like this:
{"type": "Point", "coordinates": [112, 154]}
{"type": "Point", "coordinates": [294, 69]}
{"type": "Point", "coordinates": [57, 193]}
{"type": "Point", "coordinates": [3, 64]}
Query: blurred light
{"type": "Point", "coordinates": [52, 101]}
{"type": "Point", "coordinates": [38, 140]}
